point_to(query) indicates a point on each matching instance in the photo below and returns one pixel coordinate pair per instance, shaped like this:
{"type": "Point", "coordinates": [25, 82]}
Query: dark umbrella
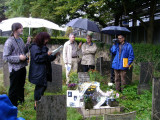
{"type": "Point", "coordinates": [115, 30]}
{"type": "Point", "coordinates": [83, 24]}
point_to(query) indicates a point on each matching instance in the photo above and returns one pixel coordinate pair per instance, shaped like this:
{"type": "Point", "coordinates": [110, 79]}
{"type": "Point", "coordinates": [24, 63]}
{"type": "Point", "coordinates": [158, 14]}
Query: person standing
{"type": "Point", "coordinates": [88, 54]}
{"type": "Point", "coordinates": [70, 55]}
{"type": "Point", "coordinates": [40, 70]}
{"type": "Point", "coordinates": [123, 51]}
{"type": "Point", "coordinates": [15, 54]}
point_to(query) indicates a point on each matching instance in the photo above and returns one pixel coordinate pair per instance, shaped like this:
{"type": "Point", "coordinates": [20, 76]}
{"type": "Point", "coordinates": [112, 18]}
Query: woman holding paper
{"type": "Point", "coordinates": [40, 64]}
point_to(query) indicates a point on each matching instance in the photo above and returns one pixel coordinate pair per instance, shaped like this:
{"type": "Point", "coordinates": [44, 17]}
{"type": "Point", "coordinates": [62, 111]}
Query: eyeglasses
{"type": "Point", "coordinates": [120, 38]}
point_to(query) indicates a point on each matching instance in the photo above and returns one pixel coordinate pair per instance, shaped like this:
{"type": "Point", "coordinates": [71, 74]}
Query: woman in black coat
{"type": "Point", "coordinates": [40, 65]}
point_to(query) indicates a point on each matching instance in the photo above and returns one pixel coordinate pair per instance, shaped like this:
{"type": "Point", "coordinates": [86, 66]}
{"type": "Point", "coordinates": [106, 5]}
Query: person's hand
{"type": "Point", "coordinates": [58, 53]}
{"type": "Point", "coordinates": [80, 44]}
{"type": "Point", "coordinates": [127, 66]}
{"type": "Point", "coordinates": [49, 53]}
{"type": "Point", "coordinates": [22, 57]}
{"type": "Point", "coordinates": [29, 39]}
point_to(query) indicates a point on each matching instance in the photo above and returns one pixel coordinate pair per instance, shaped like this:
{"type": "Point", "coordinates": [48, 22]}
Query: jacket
{"type": "Point", "coordinates": [126, 52]}
{"type": "Point", "coordinates": [88, 52]}
{"type": "Point", "coordinates": [67, 52]}
{"type": "Point", "coordinates": [40, 70]}
{"type": "Point", "coordinates": [12, 50]}
{"type": "Point", "coordinates": [8, 111]}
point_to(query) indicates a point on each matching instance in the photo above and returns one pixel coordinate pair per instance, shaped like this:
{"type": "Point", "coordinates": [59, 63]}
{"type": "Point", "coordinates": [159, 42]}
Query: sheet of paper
{"type": "Point", "coordinates": [57, 50]}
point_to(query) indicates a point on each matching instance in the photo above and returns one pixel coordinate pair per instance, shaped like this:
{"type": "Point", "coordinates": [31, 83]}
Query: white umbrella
{"type": "Point", "coordinates": [30, 22]}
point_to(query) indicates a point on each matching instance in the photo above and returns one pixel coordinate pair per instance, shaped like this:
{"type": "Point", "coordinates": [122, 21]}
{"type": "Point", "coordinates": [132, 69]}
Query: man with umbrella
{"type": "Point", "coordinates": [122, 61]}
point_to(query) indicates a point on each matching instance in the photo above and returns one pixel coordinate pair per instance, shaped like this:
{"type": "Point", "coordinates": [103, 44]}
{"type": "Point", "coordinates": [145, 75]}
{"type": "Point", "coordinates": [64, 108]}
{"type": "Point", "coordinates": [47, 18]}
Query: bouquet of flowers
{"type": "Point", "coordinates": [111, 86]}
{"type": "Point", "coordinates": [112, 94]}
{"type": "Point", "coordinates": [72, 86]}
{"type": "Point", "coordinates": [88, 97]}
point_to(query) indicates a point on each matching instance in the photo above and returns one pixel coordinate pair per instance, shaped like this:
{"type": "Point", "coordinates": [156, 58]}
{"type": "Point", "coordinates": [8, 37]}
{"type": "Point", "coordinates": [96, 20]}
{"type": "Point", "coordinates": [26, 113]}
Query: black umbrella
{"type": "Point", "coordinates": [83, 24]}
{"type": "Point", "coordinates": [115, 30]}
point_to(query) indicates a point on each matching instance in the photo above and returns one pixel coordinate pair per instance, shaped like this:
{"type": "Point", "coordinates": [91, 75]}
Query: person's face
{"type": "Point", "coordinates": [121, 39]}
{"type": "Point", "coordinates": [46, 41]}
{"type": "Point", "coordinates": [20, 31]}
{"type": "Point", "coordinates": [88, 39]}
{"type": "Point", "coordinates": [72, 38]}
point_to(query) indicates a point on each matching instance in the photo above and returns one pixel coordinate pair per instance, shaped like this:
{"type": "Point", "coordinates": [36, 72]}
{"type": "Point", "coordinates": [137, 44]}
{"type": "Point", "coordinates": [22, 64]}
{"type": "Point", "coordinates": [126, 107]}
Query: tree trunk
{"type": "Point", "coordinates": [150, 29]}
{"type": "Point", "coordinates": [117, 17]}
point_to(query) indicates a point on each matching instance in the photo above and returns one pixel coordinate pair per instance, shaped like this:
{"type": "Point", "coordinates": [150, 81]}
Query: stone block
{"type": "Point", "coordinates": [52, 108]}
{"type": "Point", "coordinates": [155, 99]}
{"type": "Point", "coordinates": [56, 84]}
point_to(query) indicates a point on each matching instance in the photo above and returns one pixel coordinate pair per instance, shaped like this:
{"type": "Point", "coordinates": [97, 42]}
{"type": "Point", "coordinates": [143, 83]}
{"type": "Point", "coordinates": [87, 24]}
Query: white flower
{"type": "Point", "coordinates": [110, 84]}
{"type": "Point", "coordinates": [117, 95]}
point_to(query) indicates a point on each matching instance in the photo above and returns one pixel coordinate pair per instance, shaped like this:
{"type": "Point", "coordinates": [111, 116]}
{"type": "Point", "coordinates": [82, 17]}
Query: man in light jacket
{"type": "Point", "coordinates": [122, 50]}
{"type": "Point", "coordinates": [70, 55]}
{"type": "Point", "coordinates": [88, 51]}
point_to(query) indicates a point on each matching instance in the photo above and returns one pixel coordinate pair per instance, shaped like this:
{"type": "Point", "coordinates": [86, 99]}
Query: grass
{"type": "Point", "coordinates": [131, 101]}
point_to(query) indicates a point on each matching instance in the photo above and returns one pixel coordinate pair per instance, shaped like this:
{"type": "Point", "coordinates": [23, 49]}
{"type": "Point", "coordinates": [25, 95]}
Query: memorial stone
{"type": "Point", "coordinates": [104, 67]}
{"type": "Point", "coordinates": [56, 84]}
{"type": "Point", "coordinates": [52, 108]}
{"type": "Point", "coordinates": [6, 74]}
{"type": "Point", "coordinates": [83, 77]}
{"type": "Point", "coordinates": [155, 99]}
{"type": "Point", "coordinates": [146, 71]}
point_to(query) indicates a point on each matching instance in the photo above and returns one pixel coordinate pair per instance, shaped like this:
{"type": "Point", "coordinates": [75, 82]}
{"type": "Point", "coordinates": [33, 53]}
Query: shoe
{"type": "Point", "coordinates": [34, 107]}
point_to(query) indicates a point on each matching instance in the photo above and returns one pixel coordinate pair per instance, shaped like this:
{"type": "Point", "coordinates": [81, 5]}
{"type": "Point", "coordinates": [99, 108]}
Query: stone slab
{"type": "Point", "coordinates": [125, 116]}
{"type": "Point", "coordinates": [83, 77]}
{"type": "Point", "coordinates": [56, 84]}
{"type": "Point", "coordinates": [52, 108]}
{"type": "Point", "coordinates": [98, 112]}
{"type": "Point", "coordinates": [155, 99]}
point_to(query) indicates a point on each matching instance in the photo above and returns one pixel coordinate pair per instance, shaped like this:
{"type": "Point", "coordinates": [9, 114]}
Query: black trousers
{"type": "Point", "coordinates": [86, 68]}
{"type": "Point", "coordinates": [16, 90]}
{"type": "Point", "coordinates": [39, 91]}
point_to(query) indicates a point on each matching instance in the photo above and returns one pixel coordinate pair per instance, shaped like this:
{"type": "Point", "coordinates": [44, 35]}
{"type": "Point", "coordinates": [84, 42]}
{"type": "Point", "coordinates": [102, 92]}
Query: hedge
{"type": "Point", "coordinates": [58, 40]}
{"type": "Point", "coordinates": [143, 52]}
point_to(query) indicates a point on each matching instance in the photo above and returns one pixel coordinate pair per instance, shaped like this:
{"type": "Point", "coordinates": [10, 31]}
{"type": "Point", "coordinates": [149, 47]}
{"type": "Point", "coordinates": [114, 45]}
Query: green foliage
{"type": "Point", "coordinates": [142, 104]}
{"type": "Point", "coordinates": [96, 76]}
{"type": "Point", "coordinates": [54, 40]}
{"type": "Point", "coordinates": [73, 114]}
{"type": "Point", "coordinates": [68, 31]}
{"type": "Point", "coordinates": [73, 77]}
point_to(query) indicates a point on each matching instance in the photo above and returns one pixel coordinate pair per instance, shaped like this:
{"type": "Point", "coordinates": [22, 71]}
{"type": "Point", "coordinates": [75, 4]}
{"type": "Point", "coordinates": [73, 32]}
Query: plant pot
{"type": "Point", "coordinates": [113, 102]}
{"type": "Point", "coordinates": [88, 105]}
{"type": "Point", "coordinates": [72, 88]}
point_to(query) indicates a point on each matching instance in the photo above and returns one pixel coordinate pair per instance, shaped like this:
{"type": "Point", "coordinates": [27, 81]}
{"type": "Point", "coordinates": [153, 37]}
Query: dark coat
{"type": "Point", "coordinates": [40, 70]}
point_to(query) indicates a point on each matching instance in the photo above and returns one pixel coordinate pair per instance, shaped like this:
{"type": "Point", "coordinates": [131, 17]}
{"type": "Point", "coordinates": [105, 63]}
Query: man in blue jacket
{"type": "Point", "coordinates": [122, 50]}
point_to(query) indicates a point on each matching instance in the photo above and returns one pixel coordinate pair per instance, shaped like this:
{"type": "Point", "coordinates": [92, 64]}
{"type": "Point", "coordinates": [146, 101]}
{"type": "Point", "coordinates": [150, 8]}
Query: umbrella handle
{"type": "Point", "coordinates": [29, 31]}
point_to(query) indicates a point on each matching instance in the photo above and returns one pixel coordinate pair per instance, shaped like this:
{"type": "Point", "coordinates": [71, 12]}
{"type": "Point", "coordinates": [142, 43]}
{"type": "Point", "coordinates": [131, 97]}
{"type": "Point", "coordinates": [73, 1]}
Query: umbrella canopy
{"type": "Point", "coordinates": [115, 30]}
{"type": "Point", "coordinates": [83, 24]}
{"type": "Point", "coordinates": [30, 22]}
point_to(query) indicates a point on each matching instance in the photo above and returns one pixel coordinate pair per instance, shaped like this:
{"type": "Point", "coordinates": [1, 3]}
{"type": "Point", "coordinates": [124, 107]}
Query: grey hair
{"type": "Point", "coordinates": [71, 34]}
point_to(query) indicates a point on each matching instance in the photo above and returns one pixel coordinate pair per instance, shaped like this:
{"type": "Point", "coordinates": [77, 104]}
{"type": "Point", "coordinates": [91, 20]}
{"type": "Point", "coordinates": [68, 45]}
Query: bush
{"type": "Point", "coordinates": [54, 40]}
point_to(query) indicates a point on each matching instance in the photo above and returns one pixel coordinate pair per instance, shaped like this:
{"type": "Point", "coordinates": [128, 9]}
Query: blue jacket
{"type": "Point", "coordinates": [40, 65]}
{"type": "Point", "coordinates": [7, 110]}
{"type": "Point", "coordinates": [126, 52]}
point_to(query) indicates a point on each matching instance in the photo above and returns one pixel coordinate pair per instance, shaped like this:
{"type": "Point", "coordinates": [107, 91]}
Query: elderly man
{"type": "Point", "coordinates": [70, 55]}
{"type": "Point", "coordinates": [122, 60]}
{"type": "Point", "coordinates": [88, 50]}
